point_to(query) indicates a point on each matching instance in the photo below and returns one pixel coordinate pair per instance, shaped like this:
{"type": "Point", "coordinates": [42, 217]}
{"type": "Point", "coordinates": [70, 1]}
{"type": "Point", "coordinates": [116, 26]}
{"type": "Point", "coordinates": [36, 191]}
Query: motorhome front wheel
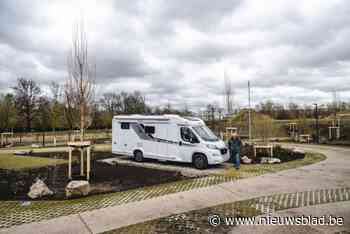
{"type": "Point", "coordinates": [200, 162]}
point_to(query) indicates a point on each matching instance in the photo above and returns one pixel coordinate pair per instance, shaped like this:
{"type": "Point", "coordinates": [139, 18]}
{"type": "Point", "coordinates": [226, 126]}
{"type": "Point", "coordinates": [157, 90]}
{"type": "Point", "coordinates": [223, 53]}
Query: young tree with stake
{"type": "Point", "coordinates": [80, 84]}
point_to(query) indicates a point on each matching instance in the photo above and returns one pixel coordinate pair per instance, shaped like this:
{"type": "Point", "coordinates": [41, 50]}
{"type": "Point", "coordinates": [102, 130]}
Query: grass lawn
{"type": "Point", "coordinates": [48, 148]}
{"type": "Point", "coordinates": [13, 162]}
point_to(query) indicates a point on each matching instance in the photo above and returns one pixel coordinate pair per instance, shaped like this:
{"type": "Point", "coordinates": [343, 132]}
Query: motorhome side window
{"type": "Point", "coordinates": [188, 136]}
{"type": "Point", "coordinates": [150, 129]}
{"type": "Point", "coordinates": [125, 125]}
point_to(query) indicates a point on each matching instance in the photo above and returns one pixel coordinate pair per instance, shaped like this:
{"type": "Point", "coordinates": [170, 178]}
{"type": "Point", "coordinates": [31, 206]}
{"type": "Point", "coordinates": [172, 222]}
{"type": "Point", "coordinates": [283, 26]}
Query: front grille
{"type": "Point", "coordinates": [223, 151]}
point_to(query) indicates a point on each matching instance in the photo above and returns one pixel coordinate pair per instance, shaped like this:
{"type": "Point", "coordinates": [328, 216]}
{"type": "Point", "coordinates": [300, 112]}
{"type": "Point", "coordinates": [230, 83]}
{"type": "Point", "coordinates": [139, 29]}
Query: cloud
{"type": "Point", "coordinates": [177, 51]}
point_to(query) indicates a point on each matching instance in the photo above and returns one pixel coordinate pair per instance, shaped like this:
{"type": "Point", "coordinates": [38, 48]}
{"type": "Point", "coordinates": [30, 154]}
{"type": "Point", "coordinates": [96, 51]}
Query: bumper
{"type": "Point", "coordinates": [215, 157]}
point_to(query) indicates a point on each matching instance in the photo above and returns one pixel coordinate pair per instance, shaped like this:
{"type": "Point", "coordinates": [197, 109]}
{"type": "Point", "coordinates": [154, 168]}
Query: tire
{"type": "Point", "coordinates": [138, 156]}
{"type": "Point", "coordinates": [200, 161]}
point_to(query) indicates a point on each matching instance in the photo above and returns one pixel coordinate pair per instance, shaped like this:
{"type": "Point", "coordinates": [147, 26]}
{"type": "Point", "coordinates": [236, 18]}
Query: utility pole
{"type": "Point", "coordinates": [317, 124]}
{"type": "Point", "coordinates": [249, 115]}
{"type": "Point", "coordinates": [212, 116]}
{"type": "Point", "coordinates": [335, 107]}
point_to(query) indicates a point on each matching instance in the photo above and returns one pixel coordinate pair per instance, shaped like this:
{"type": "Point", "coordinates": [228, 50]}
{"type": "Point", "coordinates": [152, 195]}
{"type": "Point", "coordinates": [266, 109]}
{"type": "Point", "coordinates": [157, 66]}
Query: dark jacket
{"type": "Point", "coordinates": [235, 145]}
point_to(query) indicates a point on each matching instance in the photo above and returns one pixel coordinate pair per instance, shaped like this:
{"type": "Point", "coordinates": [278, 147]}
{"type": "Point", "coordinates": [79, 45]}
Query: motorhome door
{"type": "Point", "coordinates": [123, 138]}
{"type": "Point", "coordinates": [188, 142]}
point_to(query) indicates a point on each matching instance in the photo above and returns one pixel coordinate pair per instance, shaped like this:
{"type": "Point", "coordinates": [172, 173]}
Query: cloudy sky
{"type": "Point", "coordinates": [178, 51]}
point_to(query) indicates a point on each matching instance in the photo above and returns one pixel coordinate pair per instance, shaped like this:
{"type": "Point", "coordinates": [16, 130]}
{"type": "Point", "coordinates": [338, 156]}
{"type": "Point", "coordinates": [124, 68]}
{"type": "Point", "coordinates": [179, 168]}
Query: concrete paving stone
{"type": "Point", "coordinates": [339, 209]}
{"type": "Point", "coordinates": [71, 224]}
{"type": "Point", "coordinates": [155, 208]}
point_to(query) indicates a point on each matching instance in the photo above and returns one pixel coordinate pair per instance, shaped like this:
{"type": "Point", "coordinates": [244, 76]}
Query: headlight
{"type": "Point", "coordinates": [212, 146]}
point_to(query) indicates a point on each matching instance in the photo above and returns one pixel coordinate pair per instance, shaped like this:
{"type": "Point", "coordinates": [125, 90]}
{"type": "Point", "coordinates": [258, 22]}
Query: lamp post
{"type": "Point", "coordinates": [249, 115]}
{"type": "Point", "coordinates": [317, 124]}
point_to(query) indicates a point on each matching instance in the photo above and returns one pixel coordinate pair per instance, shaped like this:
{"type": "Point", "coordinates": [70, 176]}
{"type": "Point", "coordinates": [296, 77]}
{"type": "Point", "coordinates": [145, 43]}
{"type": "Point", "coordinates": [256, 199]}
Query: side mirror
{"type": "Point", "coordinates": [180, 143]}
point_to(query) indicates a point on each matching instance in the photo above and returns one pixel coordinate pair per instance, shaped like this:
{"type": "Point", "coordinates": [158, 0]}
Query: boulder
{"type": "Point", "coordinates": [77, 188]}
{"type": "Point", "coordinates": [35, 146]}
{"type": "Point", "coordinates": [23, 152]}
{"type": "Point", "coordinates": [110, 161]}
{"type": "Point", "coordinates": [39, 189]}
{"type": "Point", "coordinates": [274, 160]}
{"type": "Point", "coordinates": [269, 160]}
{"type": "Point", "coordinates": [246, 160]}
{"type": "Point", "coordinates": [298, 151]}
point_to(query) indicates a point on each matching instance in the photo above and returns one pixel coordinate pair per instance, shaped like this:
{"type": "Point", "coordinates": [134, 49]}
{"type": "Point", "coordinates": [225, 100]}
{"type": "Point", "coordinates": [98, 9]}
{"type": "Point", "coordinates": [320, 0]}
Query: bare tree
{"type": "Point", "coordinates": [55, 107]}
{"type": "Point", "coordinates": [228, 93]}
{"type": "Point", "coordinates": [112, 103]}
{"type": "Point", "coordinates": [8, 117]}
{"type": "Point", "coordinates": [42, 118]}
{"type": "Point", "coordinates": [27, 93]}
{"type": "Point", "coordinates": [55, 90]}
{"type": "Point", "coordinates": [80, 84]}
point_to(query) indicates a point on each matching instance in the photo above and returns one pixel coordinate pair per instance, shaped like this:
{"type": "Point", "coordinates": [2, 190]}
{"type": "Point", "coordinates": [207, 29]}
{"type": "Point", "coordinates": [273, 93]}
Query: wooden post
{"type": "Point", "coordinates": [81, 161]}
{"type": "Point", "coordinates": [271, 151]}
{"type": "Point", "coordinates": [82, 146]}
{"type": "Point", "coordinates": [254, 151]}
{"type": "Point", "coordinates": [338, 133]}
{"type": "Point", "coordinates": [88, 163]}
{"type": "Point", "coordinates": [70, 163]}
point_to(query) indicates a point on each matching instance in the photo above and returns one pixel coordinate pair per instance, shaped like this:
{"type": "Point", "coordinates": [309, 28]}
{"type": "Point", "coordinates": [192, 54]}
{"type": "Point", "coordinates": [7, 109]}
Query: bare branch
{"type": "Point", "coordinates": [80, 83]}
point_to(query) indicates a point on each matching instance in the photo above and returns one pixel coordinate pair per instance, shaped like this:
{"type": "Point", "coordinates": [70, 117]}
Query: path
{"type": "Point", "coordinates": [339, 210]}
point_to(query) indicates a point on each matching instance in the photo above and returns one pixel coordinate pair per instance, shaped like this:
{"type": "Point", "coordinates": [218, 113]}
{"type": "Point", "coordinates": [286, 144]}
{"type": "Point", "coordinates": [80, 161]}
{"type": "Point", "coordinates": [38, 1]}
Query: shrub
{"type": "Point", "coordinates": [286, 155]}
{"type": "Point", "coordinates": [283, 154]}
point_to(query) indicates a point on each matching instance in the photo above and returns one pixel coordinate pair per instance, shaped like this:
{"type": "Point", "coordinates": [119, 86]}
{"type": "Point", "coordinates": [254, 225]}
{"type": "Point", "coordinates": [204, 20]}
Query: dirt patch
{"type": "Point", "coordinates": [76, 154]}
{"type": "Point", "coordinates": [104, 178]}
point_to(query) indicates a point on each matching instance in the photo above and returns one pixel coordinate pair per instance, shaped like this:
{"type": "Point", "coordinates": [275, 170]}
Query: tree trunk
{"type": "Point", "coordinates": [43, 138]}
{"type": "Point", "coordinates": [82, 121]}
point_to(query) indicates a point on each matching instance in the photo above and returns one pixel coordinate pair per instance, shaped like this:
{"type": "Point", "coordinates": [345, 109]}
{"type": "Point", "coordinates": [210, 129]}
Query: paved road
{"type": "Point", "coordinates": [334, 172]}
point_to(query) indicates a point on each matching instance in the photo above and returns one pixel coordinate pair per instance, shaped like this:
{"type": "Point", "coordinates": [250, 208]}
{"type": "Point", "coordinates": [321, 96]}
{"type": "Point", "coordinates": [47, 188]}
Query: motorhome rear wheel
{"type": "Point", "coordinates": [138, 156]}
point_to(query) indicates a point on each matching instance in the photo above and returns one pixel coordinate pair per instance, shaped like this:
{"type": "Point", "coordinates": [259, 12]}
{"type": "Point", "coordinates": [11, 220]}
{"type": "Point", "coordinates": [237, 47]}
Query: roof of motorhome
{"type": "Point", "coordinates": [173, 118]}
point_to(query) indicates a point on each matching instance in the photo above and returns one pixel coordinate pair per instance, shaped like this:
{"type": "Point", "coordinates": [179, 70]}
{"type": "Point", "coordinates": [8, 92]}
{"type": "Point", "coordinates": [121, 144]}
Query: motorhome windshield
{"type": "Point", "coordinates": [205, 133]}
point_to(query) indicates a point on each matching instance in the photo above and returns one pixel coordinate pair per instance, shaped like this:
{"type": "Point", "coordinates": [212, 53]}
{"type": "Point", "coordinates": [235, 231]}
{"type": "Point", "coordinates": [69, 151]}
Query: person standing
{"type": "Point", "coordinates": [234, 145]}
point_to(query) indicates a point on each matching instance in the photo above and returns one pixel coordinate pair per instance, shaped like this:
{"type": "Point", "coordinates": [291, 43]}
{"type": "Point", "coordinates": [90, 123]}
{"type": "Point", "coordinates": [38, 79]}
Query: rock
{"type": "Point", "coordinates": [274, 160]}
{"type": "Point", "coordinates": [269, 160]}
{"type": "Point", "coordinates": [26, 203]}
{"type": "Point", "coordinates": [264, 160]}
{"type": "Point", "coordinates": [39, 189]}
{"type": "Point", "coordinates": [298, 151]}
{"type": "Point", "coordinates": [77, 188]}
{"type": "Point", "coordinates": [110, 161]}
{"type": "Point", "coordinates": [23, 152]}
{"type": "Point", "coordinates": [246, 160]}
{"type": "Point", "coordinates": [35, 146]}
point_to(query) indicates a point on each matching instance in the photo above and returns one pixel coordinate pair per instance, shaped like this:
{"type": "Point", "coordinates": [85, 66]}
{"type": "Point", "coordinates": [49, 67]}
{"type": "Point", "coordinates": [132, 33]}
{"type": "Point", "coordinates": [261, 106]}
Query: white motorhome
{"type": "Point", "coordinates": [167, 138]}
